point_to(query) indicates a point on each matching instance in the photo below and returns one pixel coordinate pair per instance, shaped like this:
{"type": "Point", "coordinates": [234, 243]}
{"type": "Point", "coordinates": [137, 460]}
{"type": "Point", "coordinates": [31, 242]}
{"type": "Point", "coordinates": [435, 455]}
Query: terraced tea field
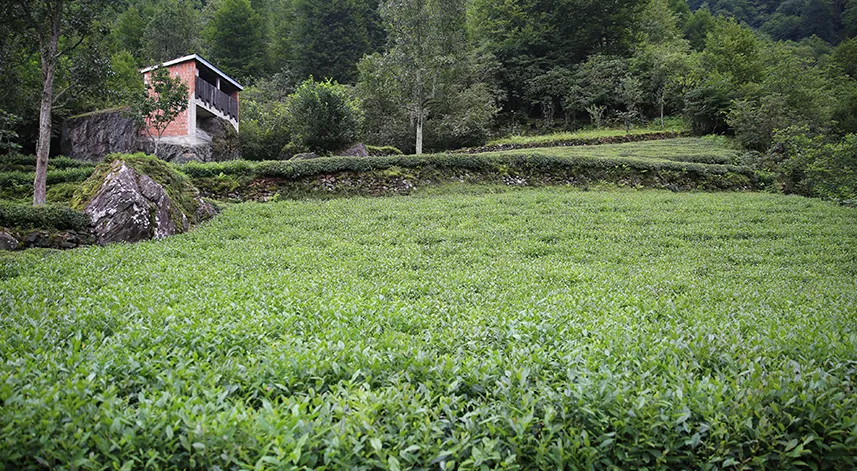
{"type": "Point", "coordinates": [522, 329]}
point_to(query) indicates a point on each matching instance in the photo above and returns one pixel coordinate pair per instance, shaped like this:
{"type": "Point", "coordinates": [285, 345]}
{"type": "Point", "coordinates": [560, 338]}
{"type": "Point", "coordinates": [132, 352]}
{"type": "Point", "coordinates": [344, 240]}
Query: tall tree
{"type": "Point", "coordinates": [173, 31]}
{"type": "Point", "coordinates": [58, 27]}
{"type": "Point", "coordinates": [533, 37]}
{"type": "Point", "coordinates": [235, 38]}
{"type": "Point", "coordinates": [328, 37]}
{"type": "Point", "coordinates": [426, 39]}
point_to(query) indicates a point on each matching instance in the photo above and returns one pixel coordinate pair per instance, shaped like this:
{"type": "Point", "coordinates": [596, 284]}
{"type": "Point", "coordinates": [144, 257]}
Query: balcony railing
{"type": "Point", "coordinates": [211, 96]}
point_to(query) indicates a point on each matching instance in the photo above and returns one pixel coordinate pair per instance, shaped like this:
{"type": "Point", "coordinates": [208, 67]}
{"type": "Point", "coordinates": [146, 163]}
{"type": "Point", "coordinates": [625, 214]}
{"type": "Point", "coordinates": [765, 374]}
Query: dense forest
{"type": "Point", "coordinates": [774, 74]}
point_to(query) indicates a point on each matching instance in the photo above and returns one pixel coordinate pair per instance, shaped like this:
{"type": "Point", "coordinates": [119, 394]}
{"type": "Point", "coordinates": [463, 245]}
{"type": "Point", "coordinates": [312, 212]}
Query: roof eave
{"type": "Point", "coordinates": [201, 61]}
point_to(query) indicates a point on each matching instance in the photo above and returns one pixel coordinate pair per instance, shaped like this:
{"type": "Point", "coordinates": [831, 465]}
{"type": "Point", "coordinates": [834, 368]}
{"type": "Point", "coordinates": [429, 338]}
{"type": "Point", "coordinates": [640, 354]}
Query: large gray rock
{"type": "Point", "coordinates": [178, 150]}
{"type": "Point", "coordinates": [215, 141]}
{"type": "Point", "coordinates": [7, 241]}
{"type": "Point", "coordinates": [357, 150]}
{"type": "Point", "coordinates": [225, 144]}
{"type": "Point", "coordinates": [130, 207]}
{"type": "Point", "coordinates": [92, 136]}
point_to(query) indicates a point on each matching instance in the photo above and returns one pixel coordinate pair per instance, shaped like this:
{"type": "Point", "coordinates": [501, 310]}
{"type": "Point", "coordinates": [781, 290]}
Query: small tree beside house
{"type": "Point", "coordinates": [165, 98]}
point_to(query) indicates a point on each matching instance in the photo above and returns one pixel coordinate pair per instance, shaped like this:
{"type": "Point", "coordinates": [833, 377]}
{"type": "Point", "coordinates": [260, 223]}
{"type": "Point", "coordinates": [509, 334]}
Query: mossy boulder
{"type": "Point", "coordinates": [137, 197]}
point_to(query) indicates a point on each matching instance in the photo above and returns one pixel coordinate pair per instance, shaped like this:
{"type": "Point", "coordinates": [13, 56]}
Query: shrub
{"type": "Point", "coordinates": [323, 116]}
{"type": "Point", "coordinates": [376, 151]}
{"type": "Point", "coordinates": [706, 106]}
{"type": "Point", "coordinates": [25, 216]}
{"type": "Point", "coordinates": [814, 166]}
{"type": "Point", "coordinates": [754, 122]}
{"type": "Point", "coordinates": [264, 120]}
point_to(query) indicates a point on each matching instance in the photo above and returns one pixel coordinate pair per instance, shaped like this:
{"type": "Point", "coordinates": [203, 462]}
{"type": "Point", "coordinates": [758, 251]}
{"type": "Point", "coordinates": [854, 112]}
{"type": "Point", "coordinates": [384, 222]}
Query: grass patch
{"type": "Point", "coordinates": [672, 126]}
{"type": "Point", "coordinates": [530, 329]}
{"type": "Point", "coordinates": [688, 149]}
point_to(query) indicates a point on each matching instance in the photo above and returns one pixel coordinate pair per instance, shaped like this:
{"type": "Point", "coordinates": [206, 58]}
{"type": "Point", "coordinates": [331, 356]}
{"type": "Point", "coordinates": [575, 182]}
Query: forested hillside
{"type": "Point", "coordinates": [455, 72]}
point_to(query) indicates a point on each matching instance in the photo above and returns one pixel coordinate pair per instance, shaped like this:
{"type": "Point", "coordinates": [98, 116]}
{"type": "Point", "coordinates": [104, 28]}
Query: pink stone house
{"type": "Point", "coordinates": [212, 93]}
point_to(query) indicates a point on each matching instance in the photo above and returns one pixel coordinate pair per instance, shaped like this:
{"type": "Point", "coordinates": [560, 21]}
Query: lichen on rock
{"type": "Point", "coordinates": [138, 197]}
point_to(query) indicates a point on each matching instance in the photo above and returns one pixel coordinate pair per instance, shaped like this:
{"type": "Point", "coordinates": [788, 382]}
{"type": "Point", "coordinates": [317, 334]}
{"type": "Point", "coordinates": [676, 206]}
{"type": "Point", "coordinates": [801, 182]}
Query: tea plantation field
{"type": "Point", "coordinates": [454, 329]}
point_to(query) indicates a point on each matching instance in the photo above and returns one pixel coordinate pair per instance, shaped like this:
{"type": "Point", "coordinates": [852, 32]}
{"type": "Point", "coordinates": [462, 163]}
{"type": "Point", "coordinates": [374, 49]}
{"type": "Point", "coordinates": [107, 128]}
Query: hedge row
{"type": "Point", "coordinates": [70, 174]}
{"type": "Point", "coordinates": [24, 216]}
{"type": "Point", "coordinates": [28, 163]}
{"type": "Point", "coordinates": [532, 162]}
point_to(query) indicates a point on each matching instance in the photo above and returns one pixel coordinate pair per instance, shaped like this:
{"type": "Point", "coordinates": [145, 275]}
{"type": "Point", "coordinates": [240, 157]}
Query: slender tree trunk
{"type": "Point", "coordinates": [663, 98]}
{"type": "Point", "coordinates": [420, 132]}
{"type": "Point", "coordinates": [43, 147]}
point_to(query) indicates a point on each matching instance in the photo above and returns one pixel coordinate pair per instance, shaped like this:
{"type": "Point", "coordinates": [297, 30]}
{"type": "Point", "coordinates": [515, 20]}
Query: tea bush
{"type": "Point", "coordinates": [26, 216]}
{"type": "Point", "coordinates": [525, 329]}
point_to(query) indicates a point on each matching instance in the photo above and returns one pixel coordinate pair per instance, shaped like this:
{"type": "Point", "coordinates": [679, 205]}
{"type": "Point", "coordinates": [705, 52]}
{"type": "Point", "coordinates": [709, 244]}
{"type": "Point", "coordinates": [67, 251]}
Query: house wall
{"type": "Point", "coordinates": [185, 123]}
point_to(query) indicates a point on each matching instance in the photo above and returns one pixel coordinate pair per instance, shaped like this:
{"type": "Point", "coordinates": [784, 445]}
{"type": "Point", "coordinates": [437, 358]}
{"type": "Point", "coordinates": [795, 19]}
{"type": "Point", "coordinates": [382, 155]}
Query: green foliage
{"type": "Point", "coordinates": [672, 125]}
{"type": "Point", "coordinates": [235, 39]}
{"type": "Point", "coordinates": [706, 106]}
{"type": "Point", "coordinates": [697, 27]}
{"type": "Point", "coordinates": [264, 118]}
{"type": "Point", "coordinates": [812, 165]}
{"type": "Point", "coordinates": [129, 32]}
{"type": "Point", "coordinates": [431, 87]}
{"type": "Point", "coordinates": [17, 173]}
{"type": "Point", "coordinates": [382, 151]}
{"type": "Point", "coordinates": [123, 82]}
{"type": "Point", "coordinates": [26, 216]}
{"type": "Point", "coordinates": [526, 329]}
{"type": "Point", "coordinates": [845, 58]}
{"type": "Point", "coordinates": [8, 136]}
{"type": "Point", "coordinates": [533, 37]}
{"type": "Point", "coordinates": [673, 163]}
{"type": "Point", "coordinates": [323, 116]}
{"type": "Point", "coordinates": [172, 31]}
{"type": "Point", "coordinates": [734, 52]}
{"type": "Point", "coordinates": [329, 38]}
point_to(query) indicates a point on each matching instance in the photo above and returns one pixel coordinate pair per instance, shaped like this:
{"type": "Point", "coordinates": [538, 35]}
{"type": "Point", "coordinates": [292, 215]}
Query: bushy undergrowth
{"type": "Point", "coordinates": [376, 151]}
{"type": "Point", "coordinates": [26, 216]}
{"type": "Point", "coordinates": [814, 165]}
{"type": "Point", "coordinates": [532, 329]}
{"type": "Point", "coordinates": [17, 173]}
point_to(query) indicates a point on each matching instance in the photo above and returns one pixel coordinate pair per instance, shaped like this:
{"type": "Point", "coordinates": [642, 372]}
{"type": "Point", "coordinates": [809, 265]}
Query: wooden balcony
{"type": "Point", "coordinates": [214, 98]}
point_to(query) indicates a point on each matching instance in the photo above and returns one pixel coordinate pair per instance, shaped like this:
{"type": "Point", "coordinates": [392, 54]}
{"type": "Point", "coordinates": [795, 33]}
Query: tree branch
{"type": "Point", "coordinates": [78, 43]}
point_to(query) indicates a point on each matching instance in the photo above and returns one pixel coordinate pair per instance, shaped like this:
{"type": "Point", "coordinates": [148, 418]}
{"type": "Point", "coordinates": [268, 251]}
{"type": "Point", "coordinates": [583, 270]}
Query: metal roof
{"type": "Point", "coordinates": [201, 61]}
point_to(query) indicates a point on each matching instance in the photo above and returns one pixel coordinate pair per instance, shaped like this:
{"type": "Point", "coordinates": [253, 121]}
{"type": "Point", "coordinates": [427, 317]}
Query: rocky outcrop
{"type": "Point", "coordinates": [357, 150]}
{"type": "Point", "coordinates": [305, 156]}
{"type": "Point", "coordinates": [92, 136]}
{"type": "Point", "coordinates": [223, 138]}
{"type": "Point", "coordinates": [130, 206]}
{"type": "Point", "coordinates": [41, 238]}
{"type": "Point", "coordinates": [7, 241]}
{"type": "Point", "coordinates": [178, 150]}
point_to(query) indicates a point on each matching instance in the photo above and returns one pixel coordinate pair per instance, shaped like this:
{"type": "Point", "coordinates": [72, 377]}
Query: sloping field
{"type": "Point", "coordinates": [685, 149]}
{"type": "Point", "coordinates": [532, 328]}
